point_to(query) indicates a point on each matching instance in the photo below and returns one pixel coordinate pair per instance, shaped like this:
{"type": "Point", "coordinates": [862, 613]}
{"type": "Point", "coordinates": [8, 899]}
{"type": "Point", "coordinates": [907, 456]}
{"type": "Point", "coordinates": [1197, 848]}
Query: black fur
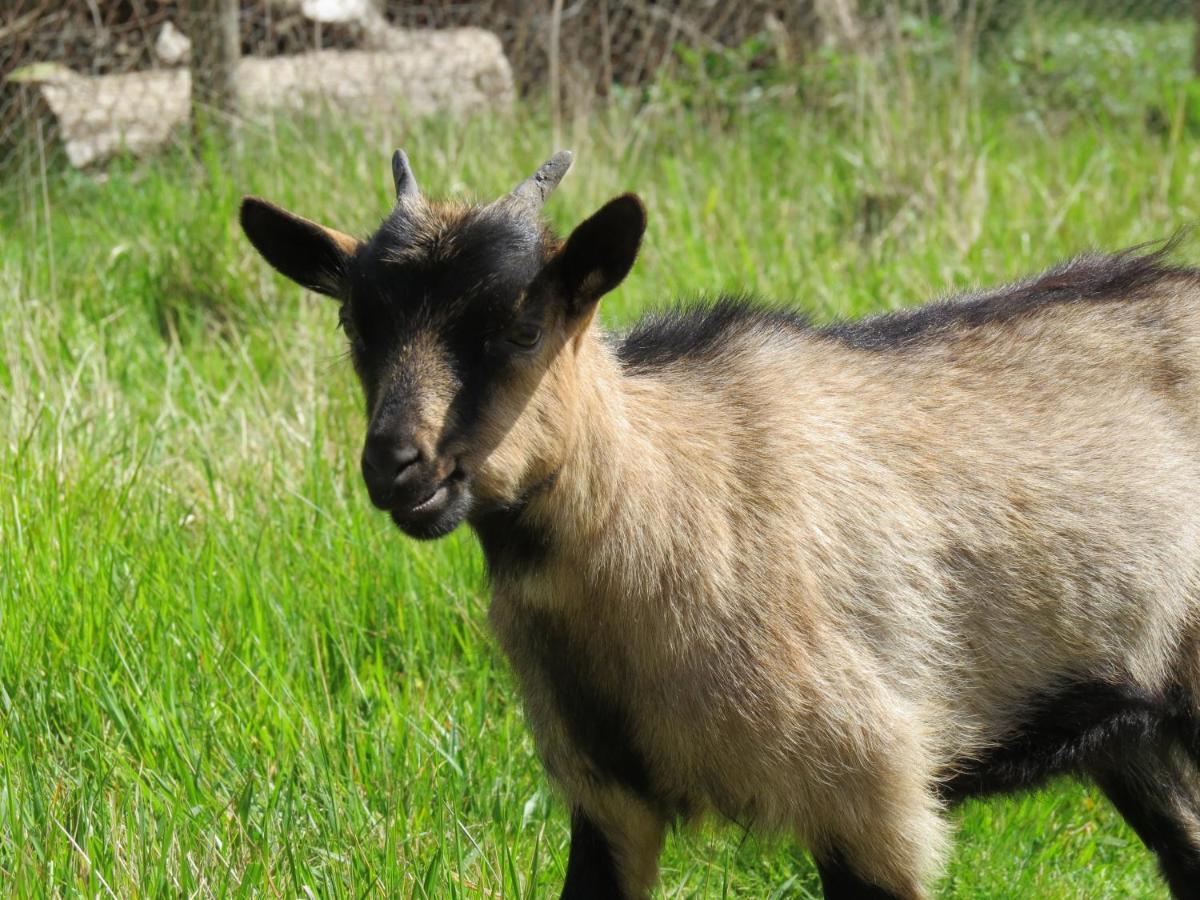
{"type": "Point", "coordinates": [599, 723]}
{"type": "Point", "coordinates": [475, 254]}
{"type": "Point", "coordinates": [599, 253]}
{"type": "Point", "coordinates": [698, 332]}
{"type": "Point", "coordinates": [1065, 733]}
{"type": "Point", "coordinates": [704, 332]}
{"type": "Point", "coordinates": [510, 544]}
{"type": "Point", "coordinates": [1148, 810]}
{"type": "Point", "coordinates": [591, 869]}
{"type": "Point", "coordinates": [460, 277]}
{"type": "Point", "coordinates": [839, 882]}
{"type": "Point", "coordinates": [1095, 278]}
{"type": "Point", "coordinates": [464, 282]}
{"type": "Point", "coordinates": [296, 247]}
{"type": "Point", "coordinates": [1111, 733]}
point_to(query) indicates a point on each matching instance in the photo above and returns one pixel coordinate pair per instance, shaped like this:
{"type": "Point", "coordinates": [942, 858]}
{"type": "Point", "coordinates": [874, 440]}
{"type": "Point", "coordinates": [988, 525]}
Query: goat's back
{"type": "Point", "coordinates": [987, 503]}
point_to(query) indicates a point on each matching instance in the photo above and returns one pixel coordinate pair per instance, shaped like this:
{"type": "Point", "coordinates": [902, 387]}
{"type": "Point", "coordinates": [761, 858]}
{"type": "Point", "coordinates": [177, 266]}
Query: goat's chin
{"type": "Point", "coordinates": [435, 523]}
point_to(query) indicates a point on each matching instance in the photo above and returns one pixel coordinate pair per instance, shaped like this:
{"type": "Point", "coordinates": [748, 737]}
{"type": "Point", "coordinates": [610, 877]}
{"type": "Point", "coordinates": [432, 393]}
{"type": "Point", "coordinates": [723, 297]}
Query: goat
{"type": "Point", "coordinates": [826, 581]}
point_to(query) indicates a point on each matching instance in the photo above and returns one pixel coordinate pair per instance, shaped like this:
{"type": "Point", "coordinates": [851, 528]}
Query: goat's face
{"type": "Point", "coordinates": [464, 326]}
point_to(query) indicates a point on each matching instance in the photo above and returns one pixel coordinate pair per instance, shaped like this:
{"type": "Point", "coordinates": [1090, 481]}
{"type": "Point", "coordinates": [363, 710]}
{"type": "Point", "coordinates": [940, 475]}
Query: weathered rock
{"type": "Point", "coordinates": [172, 46]}
{"type": "Point", "coordinates": [421, 72]}
{"type": "Point", "coordinates": [451, 70]}
{"type": "Point", "coordinates": [329, 11]}
{"type": "Point", "coordinates": [98, 117]}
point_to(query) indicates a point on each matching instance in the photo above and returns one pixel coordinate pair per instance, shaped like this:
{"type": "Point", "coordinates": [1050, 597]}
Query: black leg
{"type": "Point", "coordinates": [591, 869]}
{"type": "Point", "coordinates": [840, 882]}
{"type": "Point", "coordinates": [1152, 788]}
{"type": "Point", "coordinates": [1188, 728]}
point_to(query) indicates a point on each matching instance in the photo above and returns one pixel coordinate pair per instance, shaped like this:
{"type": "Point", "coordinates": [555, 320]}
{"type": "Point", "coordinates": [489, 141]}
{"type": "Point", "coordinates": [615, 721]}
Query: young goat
{"type": "Point", "coordinates": [825, 581]}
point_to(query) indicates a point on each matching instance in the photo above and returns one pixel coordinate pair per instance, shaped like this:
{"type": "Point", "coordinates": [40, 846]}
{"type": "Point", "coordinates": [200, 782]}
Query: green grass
{"type": "Point", "coordinates": [221, 673]}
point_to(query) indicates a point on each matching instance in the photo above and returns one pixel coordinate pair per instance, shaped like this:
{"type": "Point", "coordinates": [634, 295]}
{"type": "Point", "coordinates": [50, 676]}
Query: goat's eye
{"type": "Point", "coordinates": [525, 335]}
{"type": "Point", "coordinates": [347, 325]}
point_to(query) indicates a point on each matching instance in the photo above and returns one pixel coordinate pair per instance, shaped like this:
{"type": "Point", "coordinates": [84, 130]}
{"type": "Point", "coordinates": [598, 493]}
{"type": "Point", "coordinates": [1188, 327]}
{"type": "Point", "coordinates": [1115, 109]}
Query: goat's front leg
{"type": "Point", "coordinates": [614, 851]}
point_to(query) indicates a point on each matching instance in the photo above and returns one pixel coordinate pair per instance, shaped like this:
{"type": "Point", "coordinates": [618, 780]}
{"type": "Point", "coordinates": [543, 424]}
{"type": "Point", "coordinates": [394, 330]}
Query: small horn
{"type": "Point", "coordinates": [406, 182]}
{"type": "Point", "coordinates": [533, 191]}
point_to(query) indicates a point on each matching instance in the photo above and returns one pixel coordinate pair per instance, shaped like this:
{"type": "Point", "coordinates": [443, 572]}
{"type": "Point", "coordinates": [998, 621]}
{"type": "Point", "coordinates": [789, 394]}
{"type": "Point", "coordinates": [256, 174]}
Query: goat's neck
{"type": "Point", "coordinates": [610, 515]}
{"type": "Point", "coordinates": [590, 487]}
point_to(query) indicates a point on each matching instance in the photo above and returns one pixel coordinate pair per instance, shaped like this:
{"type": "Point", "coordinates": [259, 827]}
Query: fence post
{"type": "Point", "coordinates": [213, 29]}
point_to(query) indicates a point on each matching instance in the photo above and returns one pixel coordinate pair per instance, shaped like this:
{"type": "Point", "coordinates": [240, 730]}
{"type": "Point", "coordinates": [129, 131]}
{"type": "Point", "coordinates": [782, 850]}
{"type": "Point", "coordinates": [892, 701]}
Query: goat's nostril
{"type": "Point", "coordinates": [405, 457]}
{"type": "Point", "coordinates": [386, 459]}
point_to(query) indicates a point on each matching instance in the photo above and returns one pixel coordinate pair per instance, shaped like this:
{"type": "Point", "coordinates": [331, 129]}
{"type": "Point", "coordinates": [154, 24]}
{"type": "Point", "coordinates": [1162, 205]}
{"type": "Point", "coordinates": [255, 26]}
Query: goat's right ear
{"type": "Point", "coordinates": [312, 255]}
{"type": "Point", "coordinates": [600, 252]}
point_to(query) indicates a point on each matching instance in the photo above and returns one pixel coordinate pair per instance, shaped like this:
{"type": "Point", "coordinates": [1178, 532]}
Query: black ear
{"type": "Point", "coordinates": [312, 255]}
{"type": "Point", "coordinates": [600, 252]}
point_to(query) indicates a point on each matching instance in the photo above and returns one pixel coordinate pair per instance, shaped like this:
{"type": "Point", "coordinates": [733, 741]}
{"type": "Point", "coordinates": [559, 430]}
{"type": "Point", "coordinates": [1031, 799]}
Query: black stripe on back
{"type": "Point", "coordinates": [702, 332]}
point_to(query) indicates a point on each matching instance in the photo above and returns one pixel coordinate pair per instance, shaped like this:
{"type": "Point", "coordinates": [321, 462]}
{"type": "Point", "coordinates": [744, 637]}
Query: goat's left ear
{"type": "Point", "coordinates": [599, 253]}
{"type": "Point", "coordinates": [312, 255]}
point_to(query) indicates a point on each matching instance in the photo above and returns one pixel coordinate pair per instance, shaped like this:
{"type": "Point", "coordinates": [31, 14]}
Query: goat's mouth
{"type": "Point", "coordinates": [437, 512]}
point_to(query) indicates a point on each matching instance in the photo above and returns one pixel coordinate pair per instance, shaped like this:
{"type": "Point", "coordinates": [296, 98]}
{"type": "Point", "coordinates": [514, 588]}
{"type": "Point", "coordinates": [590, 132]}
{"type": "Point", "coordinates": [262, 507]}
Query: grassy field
{"type": "Point", "coordinates": [222, 673]}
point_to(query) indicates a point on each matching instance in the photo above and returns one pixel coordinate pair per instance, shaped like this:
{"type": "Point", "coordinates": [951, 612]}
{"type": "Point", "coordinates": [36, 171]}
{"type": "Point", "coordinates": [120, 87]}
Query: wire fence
{"type": "Point", "coordinates": [100, 78]}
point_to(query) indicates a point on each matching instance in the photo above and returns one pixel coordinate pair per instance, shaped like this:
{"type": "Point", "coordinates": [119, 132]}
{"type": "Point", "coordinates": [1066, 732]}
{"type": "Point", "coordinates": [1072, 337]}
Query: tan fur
{"type": "Point", "coordinates": [429, 389]}
{"type": "Point", "coordinates": [823, 575]}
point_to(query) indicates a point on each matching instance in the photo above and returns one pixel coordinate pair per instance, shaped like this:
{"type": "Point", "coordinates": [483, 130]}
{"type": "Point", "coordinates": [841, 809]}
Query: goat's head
{"type": "Point", "coordinates": [465, 327]}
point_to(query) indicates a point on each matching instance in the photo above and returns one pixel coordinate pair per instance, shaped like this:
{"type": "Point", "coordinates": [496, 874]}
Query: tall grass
{"type": "Point", "coordinates": [222, 674]}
